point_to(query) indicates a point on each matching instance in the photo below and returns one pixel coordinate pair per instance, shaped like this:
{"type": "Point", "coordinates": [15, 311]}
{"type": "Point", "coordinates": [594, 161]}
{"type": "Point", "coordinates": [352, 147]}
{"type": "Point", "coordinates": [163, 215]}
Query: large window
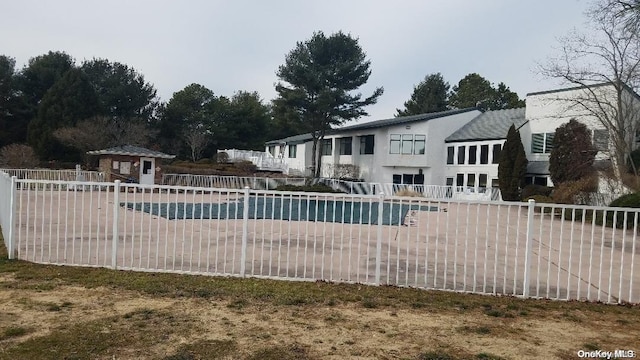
{"type": "Point", "coordinates": [450, 151]}
{"type": "Point", "coordinates": [366, 144]}
{"type": "Point", "coordinates": [419, 144]}
{"type": "Point", "coordinates": [473, 153]}
{"type": "Point", "coordinates": [327, 146]}
{"type": "Point", "coordinates": [293, 151]}
{"type": "Point", "coordinates": [542, 143]}
{"type": "Point", "coordinates": [461, 152]}
{"type": "Point", "coordinates": [407, 144]}
{"type": "Point", "coordinates": [394, 144]}
{"type": "Point", "coordinates": [346, 146]}
{"type": "Point", "coordinates": [484, 154]}
{"type": "Point", "coordinates": [496, 153]}
{"type": "Point", "coordinates": [408, 179]}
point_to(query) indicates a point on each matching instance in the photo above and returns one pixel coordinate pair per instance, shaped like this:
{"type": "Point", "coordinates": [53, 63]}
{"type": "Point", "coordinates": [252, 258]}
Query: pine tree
{"type": "Point", "coordinates": [512, 166]}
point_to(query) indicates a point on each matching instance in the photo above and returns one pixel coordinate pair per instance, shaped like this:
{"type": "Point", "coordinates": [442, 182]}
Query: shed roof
{"type": "Point", "coordinates": [130, 150]}
{"type": "Point", "coordinates": [490, 125]}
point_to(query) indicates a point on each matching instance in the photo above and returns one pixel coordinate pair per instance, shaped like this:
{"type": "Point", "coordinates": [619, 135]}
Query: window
{"type": "Point", "coordinates": [327, 146]}
{"type": "Point", "coordinates": [471, 180]}
{"type": "Point", "coordinates": [461, 150]}
{"type": "Point", "coordinates": [345, 146]}
{"type": "Point", "coordinates": [484, 154]}
{"type": "Point", "coordinates": [293, 151]}
{"type": "Point", "coordinates": [125, 167]}
{"type": "Point", "coordinates": [409, 179]}
{"type": "Point", "coordinates": [394, 144]}
{"type": "Point", "coordinates": [272, 150]}
{"type": "Point", "coordinates": [473, 153]}
{"type": "Point", "coordinates": [450, 151]}
{"type": "Point", "coordinates": [496, 153]}
{"type": "Point", "coordinates": [419, 144]}
{"type": "Point", "coordinates": [542, 143]}
{"type": "Point", "coordinates": [366, 144]}
{"type": "Point", "coordinates": [536, 180]}
{"type": "Point", "coordinates": [495, 183]}
{"type": "Point", "coordinates": [449, 181]}
{"type": "Point", "coordinates": [601, 139]}
{"type": "Point", "coordinates": [459, 179]}
{"type": "Point", "coordinates": [482, 180]}
{"type": "Point", "coordinates": [407, 144]}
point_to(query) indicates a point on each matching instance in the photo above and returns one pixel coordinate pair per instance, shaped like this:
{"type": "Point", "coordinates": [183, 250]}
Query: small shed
{"type": "Point", "coordinates": [131, 163]}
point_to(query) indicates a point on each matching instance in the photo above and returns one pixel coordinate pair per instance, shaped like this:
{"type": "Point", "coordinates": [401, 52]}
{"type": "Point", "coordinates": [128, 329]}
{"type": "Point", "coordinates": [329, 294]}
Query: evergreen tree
{"type": "Point", "coordinates": [68, 101]}
{"type": "Point", "coordinates": [318, 77]}
{"type": "Point", "coordinates": [430, 95]}
{"type": "Point", "coordinates": [573, 153]}
{"type": "Point", "coordinates": [512, 166]}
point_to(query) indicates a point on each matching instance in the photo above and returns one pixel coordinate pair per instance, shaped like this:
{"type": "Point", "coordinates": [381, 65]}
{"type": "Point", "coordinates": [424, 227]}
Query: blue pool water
{"type": "Point", "coordinates": [348, 212]}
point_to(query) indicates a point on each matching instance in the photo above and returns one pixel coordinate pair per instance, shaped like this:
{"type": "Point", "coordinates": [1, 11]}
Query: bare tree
{"type": "Point", "coordinates": [197, 138]}
{"type": "Point", "coordinates": [605, 63]}
{"type": "Point", "coordinates": [100, 132]}
{"type": "Point", "coordinates": [18, 156]}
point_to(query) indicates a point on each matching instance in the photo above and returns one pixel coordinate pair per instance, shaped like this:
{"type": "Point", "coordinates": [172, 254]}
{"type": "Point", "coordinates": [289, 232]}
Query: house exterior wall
{"type": "Point", "coordinates": [454, 171]}
{"type": "Point", "coordinates": [106, 165]}
{"type": "Point", "coordinates": [382, 165]}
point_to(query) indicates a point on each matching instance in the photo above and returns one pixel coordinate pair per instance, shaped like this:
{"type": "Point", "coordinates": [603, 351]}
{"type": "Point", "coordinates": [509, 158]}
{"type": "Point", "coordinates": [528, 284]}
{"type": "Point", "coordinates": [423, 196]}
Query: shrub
{"type": "Point", "coordinates": [566, 193]}
{"type": "Point", "coordinates": [18, 156]}
{"type": "Point", "coordinates": [541, 199]}
{"type": "Point", "coordinates": [630, 201]}
{"type": "Point", "coordinates": [320, 188]}
{"type": "Point", "coordinates": [532, 190]}
{"type": "Point", "coordinates": [407, 192]}
{"type": "Point", "coordinates": [246, 167]}
{"type": "Point", "coordinates": [512, 166]}
{"type": "Point", "coordinates": [221, 158]}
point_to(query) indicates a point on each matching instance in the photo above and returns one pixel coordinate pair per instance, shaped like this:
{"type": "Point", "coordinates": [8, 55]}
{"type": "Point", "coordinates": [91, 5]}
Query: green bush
{"type": "Point", "coordinates": [628, 201]}
{"type": "Point", "coordinates": [320, 188]}
{"type": "Point", "coordinates": [533, 190]}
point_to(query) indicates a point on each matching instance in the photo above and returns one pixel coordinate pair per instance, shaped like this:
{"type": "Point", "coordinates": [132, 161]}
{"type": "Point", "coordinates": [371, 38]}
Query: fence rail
{"type": "Point", "coordinates": [56, 175]}
{"type": "Point", "coordinates": [523, 249]}
{"type": "Point", "coordinates": [349, 187]}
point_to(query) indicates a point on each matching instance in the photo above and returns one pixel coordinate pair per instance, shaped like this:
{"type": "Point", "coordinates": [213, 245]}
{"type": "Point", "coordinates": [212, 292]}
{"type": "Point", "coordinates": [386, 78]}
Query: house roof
{"type": "Point", "coordinates": [297, 139]}
{"type": "Point", "coordinates": [130, 150]}
{"type": "Point", "coordinates": [538, 167]}
{"type": "Point", "coordinates": [624, 86]}
{"type": "Point", "coordinates": [490, 125]}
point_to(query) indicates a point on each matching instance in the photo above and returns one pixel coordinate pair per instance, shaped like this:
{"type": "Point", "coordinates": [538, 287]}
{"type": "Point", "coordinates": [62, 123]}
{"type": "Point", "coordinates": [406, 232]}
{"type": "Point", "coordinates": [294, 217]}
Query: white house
{"type": "Point", "coordinates": [456, 147]}
{"type": "Point", "coordinates": [402, 150]}
{"type": "Point", "coordinates": [473, 151]}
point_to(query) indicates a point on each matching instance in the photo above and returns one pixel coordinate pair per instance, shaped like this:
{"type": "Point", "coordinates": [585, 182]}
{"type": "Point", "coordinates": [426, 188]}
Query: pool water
{"type": "Point", "coordinates": [348, 212]}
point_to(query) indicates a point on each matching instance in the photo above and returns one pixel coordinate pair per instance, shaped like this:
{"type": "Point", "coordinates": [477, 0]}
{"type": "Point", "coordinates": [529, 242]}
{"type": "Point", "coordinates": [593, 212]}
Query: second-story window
{"type": "Point", "coordinates": [461, 152]}
{"type": "Point", "coordinates": [542, 143]}
{"type": "Point", "coordinates": [327, 146]}
{"type": "Point", "coordinates": [366, 144]}
{"type": "Point", "coordinates": [419, 144]}
{"type": "Point", "coordinates": [450, 151]}
{"type": "Point", "coordinates": [473, 151]}
{"type": "Point", "coordinates": [345, 145]}
{"type": "Point", "coordinates": [394, 144]}
{"type": "Point", "coordinates": [407, 144]}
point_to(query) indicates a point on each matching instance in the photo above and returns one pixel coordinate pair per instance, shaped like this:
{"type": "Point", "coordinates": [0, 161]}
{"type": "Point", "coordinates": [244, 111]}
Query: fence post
{"type": "Point", "coordinates": [12, 219]}
{"type": "Point", "coordinates": [245, 231]}
{"type": "Point", "coordinates": [115, 236]}
{"type": "Point", "coordinates": [529, 248]}
{"type": "Point", "coordinates": [379, 241]}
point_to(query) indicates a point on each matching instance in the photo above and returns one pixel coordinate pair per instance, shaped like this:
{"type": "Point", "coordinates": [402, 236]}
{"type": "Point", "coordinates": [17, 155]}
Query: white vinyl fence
{"type": "Point", "coordinates": [349, 187]}
{"type": "Point", "coordinates": [559, 252]}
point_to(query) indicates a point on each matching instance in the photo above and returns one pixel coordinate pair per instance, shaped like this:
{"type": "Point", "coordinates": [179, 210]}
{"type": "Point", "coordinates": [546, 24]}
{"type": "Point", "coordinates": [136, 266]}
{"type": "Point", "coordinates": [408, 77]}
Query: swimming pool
{"type": "Point", "coordinates": [292, 209]}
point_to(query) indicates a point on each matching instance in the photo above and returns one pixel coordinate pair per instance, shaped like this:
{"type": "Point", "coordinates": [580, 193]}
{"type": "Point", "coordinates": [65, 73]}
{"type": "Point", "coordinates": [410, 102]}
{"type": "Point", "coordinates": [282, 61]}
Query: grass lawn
{"type": "Point", "coordinates": [53, 312]}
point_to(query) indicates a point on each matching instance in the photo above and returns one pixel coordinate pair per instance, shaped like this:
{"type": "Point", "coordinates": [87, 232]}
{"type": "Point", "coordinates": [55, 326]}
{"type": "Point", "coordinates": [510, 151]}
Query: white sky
{"type": "Point", "coordinates": [238, 45]}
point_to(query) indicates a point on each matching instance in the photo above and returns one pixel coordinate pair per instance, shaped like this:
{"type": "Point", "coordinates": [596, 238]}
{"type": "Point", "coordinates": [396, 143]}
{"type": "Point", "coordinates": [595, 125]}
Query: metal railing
{"type": "Point", "coordinates": [262, 160]}
{"type": "Point", "coordinates": [522, 249]}
{"type": "Point", "coordinates": [56, 175]}
{"type": "Point", "coordinates": [349, 187]}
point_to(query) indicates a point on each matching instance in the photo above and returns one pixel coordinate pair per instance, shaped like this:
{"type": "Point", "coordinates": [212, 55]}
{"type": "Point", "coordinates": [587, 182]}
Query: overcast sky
{"type": "Point", "coordinates": [238, 45]}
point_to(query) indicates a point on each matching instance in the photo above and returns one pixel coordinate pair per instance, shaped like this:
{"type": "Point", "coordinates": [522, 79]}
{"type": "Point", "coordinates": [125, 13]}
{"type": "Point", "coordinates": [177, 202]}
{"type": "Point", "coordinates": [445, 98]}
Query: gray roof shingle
{"type": "Point", "coordinates": [490, 125]}
{"type": "Point", "coordinates": [130, 150]}
{"type": "Point", "coordinates": [374, 124]}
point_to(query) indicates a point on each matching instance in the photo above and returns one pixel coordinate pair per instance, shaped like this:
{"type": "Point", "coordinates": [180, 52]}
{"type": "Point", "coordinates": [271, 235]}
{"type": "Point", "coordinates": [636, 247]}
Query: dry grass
{"type": "Point", "coordinates": [52, 312]}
